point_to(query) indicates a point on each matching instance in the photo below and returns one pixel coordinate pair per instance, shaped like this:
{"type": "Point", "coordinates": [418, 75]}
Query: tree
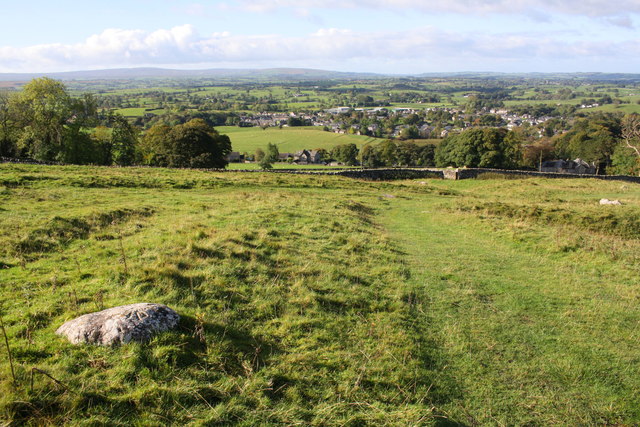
{"type": "Point", "coordinates": [538, 152]}
{"type": "Point", "coordinates": [410, 132]}
{"type": "Point", "coordinates": [631, 132]}
{"type": "Point", "coordinates": [479, 147]}
{"type": "Point", "coordinates": [624, 161]}
{"type": "Point", "coordinates": [156, 145]}
{"type": "Point", "coordinates": [387, 153]}
{"type": "Point", "coordinates": [124, 138]}
{"type": "Point", "coordinates": [626, 157]}
{"type": "Point", "coordinates": [592, 139]}
{"type": "Point", "coordinates": [296, 121]}
{"type": "Point", "coordinates": [44, 122]}
{"type": "Point", "coordinates": [369, 157]}
{"type": "Point", "coordinates": [42, 109]}
{"type": "Point", "coordinates": [346, 154]}
{"type": "Point", "coordinates": [364, 100]}
{"type": "Point", "coordinates": [7, 128]}
{"type": "Point", "coordinates": [194, 144]}
{"type": "Point", "coordinates": [425, 155]}
{"type": "Point", "coordinates": [101, 142]}
{"type": "Point", "coordinates": [323, 155]}
{"type": "Point", "coordinates": [78, 147]}
{"type": "Point", "coordinates": [265, 163]}
{"type": "Point", "coordinates": [411, 119]}
{"type": "Point", "coordinates": [259, 154]}
{"type": "Point", "coordinates": [272, 154]}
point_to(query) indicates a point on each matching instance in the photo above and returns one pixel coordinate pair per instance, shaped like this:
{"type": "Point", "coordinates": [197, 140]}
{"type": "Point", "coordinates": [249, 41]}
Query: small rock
{"type": "Point", "coordinates": [120, 325]}
{"type": "Point", "coordinates": [388, 196]}
{"type": "Point", "coordinates": [609, 202]}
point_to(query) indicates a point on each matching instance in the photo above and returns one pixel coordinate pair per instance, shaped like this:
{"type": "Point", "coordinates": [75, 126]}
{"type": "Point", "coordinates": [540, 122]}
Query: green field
{"type": "Point", "coordinates": [138, 112]}
{"type": "Point", "coordinates": [318, 300]}
{"type": "Point", "coordinates": [288, 140]}
{"type": "Point", "coordinates": [622, 108]}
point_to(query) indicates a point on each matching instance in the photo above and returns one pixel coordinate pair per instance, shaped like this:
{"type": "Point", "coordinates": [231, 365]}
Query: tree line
{"type": "Point", "coordinates": [44, 122]}
{"type": "Point", "coordinates": [609, 141]}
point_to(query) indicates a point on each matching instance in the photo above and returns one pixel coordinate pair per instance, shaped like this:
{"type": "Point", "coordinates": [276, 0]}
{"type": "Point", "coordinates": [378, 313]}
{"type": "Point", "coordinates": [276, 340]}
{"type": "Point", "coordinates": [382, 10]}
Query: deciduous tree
{"type": "Point", "coordinates": [43, 109]}
{"type": "Point", "coordinates": [124, 138]}
{"type": "Point", "coordinates": [272, 154]}
{"type": "Point", "coordinates": [631, 132]}
{"type": "Point", "coordinates": [346, 154]}
{"type": "Point", "coordinates": [485, 148]}
{"type": "Point", "coordinates": [7, 127]}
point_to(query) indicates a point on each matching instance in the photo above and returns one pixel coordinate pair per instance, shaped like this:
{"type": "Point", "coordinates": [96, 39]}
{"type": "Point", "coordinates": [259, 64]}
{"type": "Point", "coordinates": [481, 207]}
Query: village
{"type": "Point", "coordinates": [402, 123]}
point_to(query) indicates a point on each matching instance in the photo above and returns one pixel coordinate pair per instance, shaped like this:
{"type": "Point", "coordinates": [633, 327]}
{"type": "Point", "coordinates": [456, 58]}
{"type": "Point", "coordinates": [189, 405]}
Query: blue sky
{"type": "Point", "coordinates": [385, 36]}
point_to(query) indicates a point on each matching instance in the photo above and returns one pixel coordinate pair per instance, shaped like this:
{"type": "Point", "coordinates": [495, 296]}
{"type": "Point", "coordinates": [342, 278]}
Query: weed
{"type": "Point", "coordinates": [9, 356]}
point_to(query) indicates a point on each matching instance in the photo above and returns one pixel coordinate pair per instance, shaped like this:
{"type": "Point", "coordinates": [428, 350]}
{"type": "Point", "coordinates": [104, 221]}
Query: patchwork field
{"type": "Point", "coordinates": [321, 300]}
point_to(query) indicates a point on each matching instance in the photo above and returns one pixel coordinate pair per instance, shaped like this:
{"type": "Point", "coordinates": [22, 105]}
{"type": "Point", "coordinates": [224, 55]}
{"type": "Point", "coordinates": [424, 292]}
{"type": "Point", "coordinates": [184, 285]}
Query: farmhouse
{"type": "Point", "coordinates": [308, 157]}
{"type": "Point", "coordinates": [577, 166]}
{"type": "Point", "coordinates": [235, 157]}
{"type": "Point", "coordinates": [283, 157]}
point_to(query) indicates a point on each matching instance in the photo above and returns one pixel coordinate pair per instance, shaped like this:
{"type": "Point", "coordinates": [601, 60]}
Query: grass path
{"type": "Point", "coordinates": [521, 348]}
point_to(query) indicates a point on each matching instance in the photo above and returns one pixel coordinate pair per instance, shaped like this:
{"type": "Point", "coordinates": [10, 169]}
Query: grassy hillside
{"type": "Point", "coordinates": [321, 300]}
{"type": "Point", "coordinates": [288, 140]}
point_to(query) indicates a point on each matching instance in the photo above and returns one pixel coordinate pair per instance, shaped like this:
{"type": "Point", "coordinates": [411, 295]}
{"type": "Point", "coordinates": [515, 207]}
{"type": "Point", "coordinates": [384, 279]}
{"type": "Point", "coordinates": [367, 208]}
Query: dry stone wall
{"type": "Point", "coordinates": [475, 173]}
{"type": "Point", "coordinates": [388, 174]}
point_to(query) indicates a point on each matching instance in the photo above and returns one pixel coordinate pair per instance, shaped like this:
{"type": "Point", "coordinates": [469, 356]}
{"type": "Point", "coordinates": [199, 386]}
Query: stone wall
{"type": "Point", "coordinates": [476, 172]}
{"type": "Point", "coordinates": [26, 161]}
{"type": "Point", "coordinates": [389, 174]}
{"type": "Point", "coordinates": [367, 174]}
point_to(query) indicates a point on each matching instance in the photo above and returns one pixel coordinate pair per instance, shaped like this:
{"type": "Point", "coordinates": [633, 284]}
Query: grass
{"type": "Point", "coordinates": [537, 320]}
{"type": "Point", "coordinates": [622, 108]}
{"type": "Point", "coordinates": [288, 140]}
{"type": "Point", "coordinates": [321, 300]}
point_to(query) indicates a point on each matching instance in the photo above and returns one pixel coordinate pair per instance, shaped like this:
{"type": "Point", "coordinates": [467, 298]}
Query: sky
{"type": "Point", "coordinates": [379, 36]}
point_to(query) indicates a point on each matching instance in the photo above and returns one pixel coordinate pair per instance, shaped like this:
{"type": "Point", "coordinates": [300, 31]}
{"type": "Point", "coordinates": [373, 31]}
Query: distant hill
{"type": "Point", "coordinates": [163, 73]}
{"type": "Point", "coordinates": [584, 76]}
{"type": "Point", "coordinates": [289, 74]}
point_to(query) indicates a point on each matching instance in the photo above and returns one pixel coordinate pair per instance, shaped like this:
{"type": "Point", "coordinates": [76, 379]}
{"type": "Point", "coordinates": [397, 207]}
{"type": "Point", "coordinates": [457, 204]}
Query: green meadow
{"type": "Point", "coordinates": [288, 139]}
{"type": "Point", "coordinates": [318, 300]}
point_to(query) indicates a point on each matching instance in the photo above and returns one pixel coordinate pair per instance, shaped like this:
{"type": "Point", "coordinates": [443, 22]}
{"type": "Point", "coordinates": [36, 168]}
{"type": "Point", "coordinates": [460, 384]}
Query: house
{"type": "Point", "coordinates": [284, 157]}
{"type": "Point", "coordinates": [302, 157]}
{"type": "Point", "coordinates": [577, 166]}
{"type": "Point", "coordinates": [306, 157]}
{"type": "Point", "coordinates": [315, 156]}
{"type": "Point", "coordinates": [235, 157]}
{"type": "Point", "coordinates": [338, 110]}
{"type": "Point", "coordinates": [425, 131]}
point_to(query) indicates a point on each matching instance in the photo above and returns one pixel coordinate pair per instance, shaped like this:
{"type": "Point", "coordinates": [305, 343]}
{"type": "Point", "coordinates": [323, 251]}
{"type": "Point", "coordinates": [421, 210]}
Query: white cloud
{"type": "Point", "coordinates": [182, 46]}
{"type": "Point", "coordinates": [531, 7]}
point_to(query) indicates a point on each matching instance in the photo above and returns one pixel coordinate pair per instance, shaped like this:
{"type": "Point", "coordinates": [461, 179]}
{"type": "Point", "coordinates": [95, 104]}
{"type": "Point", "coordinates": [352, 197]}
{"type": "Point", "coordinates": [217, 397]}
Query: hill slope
{"type": "Point", "coordinates": [321, 300]}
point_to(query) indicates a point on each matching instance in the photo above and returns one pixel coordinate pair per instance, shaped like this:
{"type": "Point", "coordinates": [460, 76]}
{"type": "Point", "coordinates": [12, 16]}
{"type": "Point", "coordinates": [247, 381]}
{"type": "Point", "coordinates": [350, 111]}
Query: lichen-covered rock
{"type": "Point", "coordinates": [120, 325]}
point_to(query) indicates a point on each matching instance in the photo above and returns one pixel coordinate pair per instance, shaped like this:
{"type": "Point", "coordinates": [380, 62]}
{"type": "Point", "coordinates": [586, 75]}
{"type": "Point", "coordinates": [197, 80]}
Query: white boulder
{"type": "Point", "coordinates": [120, 325]}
